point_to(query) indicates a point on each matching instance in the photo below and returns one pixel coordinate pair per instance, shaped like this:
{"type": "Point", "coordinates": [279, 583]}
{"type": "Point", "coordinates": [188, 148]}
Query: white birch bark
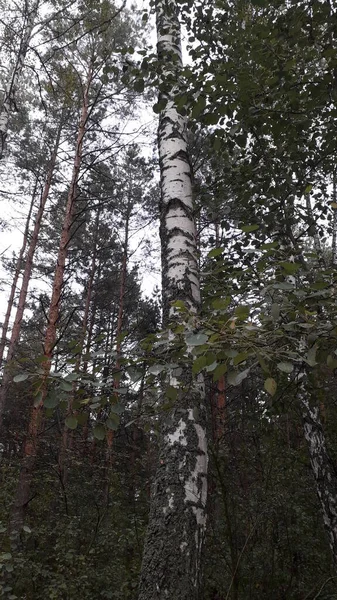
{"type": "Point", "coordinates": [172, 560]}
{"type": "Point", "coordinates": [8, 103]}
{"type": "Point", "coordinates": [334, 222]}
{"type": "Point", "coordinates": [322, 466]}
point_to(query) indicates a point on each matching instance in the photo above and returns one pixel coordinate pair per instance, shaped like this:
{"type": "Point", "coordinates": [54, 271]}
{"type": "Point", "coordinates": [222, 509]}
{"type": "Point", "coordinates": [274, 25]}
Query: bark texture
{"type": "Point", "coordinates": [172, 560]}
{"type": "Point", "coordinates": [18, 269]}
{"type": "Point", "coordinates": [322, 468]}
{"type": "Point", "coordinates": [23, 492]}
{"type": "Point", "coordinates": [27, 272]}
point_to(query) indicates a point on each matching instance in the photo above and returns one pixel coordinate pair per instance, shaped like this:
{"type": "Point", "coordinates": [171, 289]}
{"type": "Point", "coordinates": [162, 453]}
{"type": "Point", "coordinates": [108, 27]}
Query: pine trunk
{"type": "Point", "coordinates": [17, 273]}
{"type": "Point", "coordinates": [172, 560]}
{"type": "Point", "coordinates": [35, 425]}
{"type": "Point", "coordinates": [16, 329]}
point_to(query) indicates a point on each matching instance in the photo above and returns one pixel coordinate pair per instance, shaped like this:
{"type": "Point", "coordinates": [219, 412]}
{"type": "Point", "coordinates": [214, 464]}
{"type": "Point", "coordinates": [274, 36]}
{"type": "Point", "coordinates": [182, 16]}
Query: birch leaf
{"type": "Point", "coordinates": [20, 377]}
{"type": "Point", "coordinates": [270, 386]}
{"type": "Point", "coordinates": [71, 422]}
{"type": "Point", "coordinates": [196, 339]}
{"type": "Point", "coordinates": [99, 432]}
{"type": "Point", "coordinates": [285, 367]}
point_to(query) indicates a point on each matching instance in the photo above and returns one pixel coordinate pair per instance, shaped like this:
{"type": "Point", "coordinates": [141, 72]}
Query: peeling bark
{"type": "Point", "coordinates": [172, 560]}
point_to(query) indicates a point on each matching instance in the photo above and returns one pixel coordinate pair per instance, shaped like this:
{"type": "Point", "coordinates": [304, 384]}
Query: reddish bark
{"type": "Point", "coordinates": [16, 329]}
{"type": "Point", "coordinates": [35, 424]}
{"type": "Point", "coordinates": [18, 269]}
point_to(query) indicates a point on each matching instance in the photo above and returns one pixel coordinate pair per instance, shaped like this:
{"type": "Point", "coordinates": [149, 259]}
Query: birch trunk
{"type": "Point", "coordinates": [16, 329]}
{"type": "Point", "coordinates": [334, 222]}
{"type": "Point", "coordinates": [34, 430]}
{"type": "Point", "coordinates": [9, 98]}
{"type": "Point", "coordinates": [172, 560]}
{"type": "Point", "coordinates": [322, 468]}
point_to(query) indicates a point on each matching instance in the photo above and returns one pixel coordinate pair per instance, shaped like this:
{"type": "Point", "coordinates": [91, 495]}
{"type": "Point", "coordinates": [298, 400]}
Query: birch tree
{"type": "Point", "coordinates": [173, 549]}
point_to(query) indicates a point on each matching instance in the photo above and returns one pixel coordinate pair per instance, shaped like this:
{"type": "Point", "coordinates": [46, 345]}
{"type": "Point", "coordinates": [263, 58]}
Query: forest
{"type": "Point", "coordinates": [168, 340]}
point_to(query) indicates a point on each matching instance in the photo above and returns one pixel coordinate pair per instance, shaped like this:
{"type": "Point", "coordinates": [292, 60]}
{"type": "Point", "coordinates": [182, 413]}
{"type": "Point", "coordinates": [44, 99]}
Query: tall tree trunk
{"type": "Point", "coordinates": [17, 273]}
{"type": "Point", "coordinates": [34, 430]}
{"type": "Point", "coordinates": [334, 222]}
{"type": "Point", "coordinates": [8, 103]}
{"type": "Point", "coordinates": [322, 467]}
{"type": "Point", "coordinates": [172, 560]}
{"type": "Point", "coordinates": [16, 329]}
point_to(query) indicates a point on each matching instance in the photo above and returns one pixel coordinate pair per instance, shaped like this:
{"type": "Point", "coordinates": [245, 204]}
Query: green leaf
{"type": "Point", "coordinates": [82, 418]}
{"type": "Point", "coordinates": [211, 367]}
{"type": "Point", "coordinates": [308, 189]}
{"type": "Point", "coordinates": [249, 228]}
{"type": "Point", "coordinates": [270, 386]}
{"type": "Point", "coordinates": [171, 392]}
{"type": "Point", "coordinates": [199, 107]}
{"type": "Point", "coordinates": [179, 304]}
{"type": "Point", "coordinates": [66, 386]}
{"type": "Point", "coordinates": [220, 303]}
{"type": "Point", "coordinates": [198, 364]}
{"type": "Point", "coordinates": [219, 371]}
{"type": "Point", "coordinates": [20, 377]}
{"type": "Point", "coordinates": [196, 339]}
{"type": "Point", "coordinates": [215, 252]}
{"type": "Point", "coordinates": [71, 422]}
{"type": "Point", "coordinates": [159, 106]}
{"type": "Point", "coordinates": [139, 85]}
{"type": "Point", "coordinates": [239, 358]}
{"type": "Point", "coordinates": [235, 377]}
{"type": "Point", "coordinates": [113, 421]}
{"type": "Point", "coordinates": [72, 377]}
{"type": "Point", "coordinates": [331, 362]}
{"type": "Point", "coordinates": [242, 312]}
{"type": "Point", "coordinates": [51, 400]}
{"type": "Point", "coordinates": [311, 356]}
{"type": "Point", "coordinates": [285, 367]}
{"type": "Point", "coordinates": [269, 246]}
{"type": "Point", "coordinates": [99, 431]}
{"type": "Point", "coordinates": [290, 267]}
{"type": "Point", "coordinates": [118, 408]}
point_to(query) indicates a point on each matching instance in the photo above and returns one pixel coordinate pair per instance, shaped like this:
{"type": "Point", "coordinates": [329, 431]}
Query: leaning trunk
{"type": "Point", "coordinates": [172, 560]}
